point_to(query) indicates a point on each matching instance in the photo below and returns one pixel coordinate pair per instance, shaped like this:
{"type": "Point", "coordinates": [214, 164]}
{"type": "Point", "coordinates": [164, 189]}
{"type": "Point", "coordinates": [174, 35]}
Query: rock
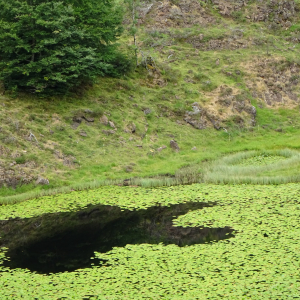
{"type": "Point", "coordinates": [109, 132]}
{"type": "Point", "coordinates": [130, 128]}
{"type": "Point", "coordinates": [42, 181]}
{"type": "Point", "coordinates": [58, 154]}
{"type": "Point", "coordinates": [174, 145]}
{"type": "Point", "coordinates": [196, 109]}
{"type": "Point", "coordinates": [239, 106]}
{"type": "Point", "coordinates": [214, 120]}
{"type": "Point", "coordinates": [111, 124]}
{"type": "Point", "coordinates": [82, 133]}
{"type": "Point", "coordinates": [279, 130]}
{"type": "Point", "coordinates": [90, 120]}
{"type": "Point", "coordinates": [161, 148]}
{"type": "Point", "coordinates": [147, 111]}
{"type": "Point", "coordinates": [88, 111]}
{"type": "Point", "coordinates": [131, 139]}
{"type": "Point", "coordinates": [133, 128]}
{"type": "Point", "coordinates": [15, 155]}
{"type": "Point", "coordinates": [198, 124]}
{"type": "Point", "coordinates": [77, 119]}
{"type": "Point", "coordinates": [75, 125]}
{"type": "Point", "coordinates": [51, 131]}
{"type": "Point", "coordinates": [194, 148]}
{"type": "Point", "coordinates": [129, 169]}
{"type": "Point", "coordinates": [126, 182]}
{"type": "Point", "coordinates": [4, 151]}
{"type": "Point", "coordinates": [69, 161]}
{"type": "Point", "coordinates": [251, 110]}
{"type": "Point", "coordinates": [104, 120]}
{"type": "Point", "coordinates": [139, 146]}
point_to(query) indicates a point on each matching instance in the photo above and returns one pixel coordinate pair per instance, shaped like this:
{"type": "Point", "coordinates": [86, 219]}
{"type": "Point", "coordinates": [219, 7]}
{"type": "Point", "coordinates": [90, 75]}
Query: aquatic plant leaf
{"type": "Point", "coordinates": [262, 261]}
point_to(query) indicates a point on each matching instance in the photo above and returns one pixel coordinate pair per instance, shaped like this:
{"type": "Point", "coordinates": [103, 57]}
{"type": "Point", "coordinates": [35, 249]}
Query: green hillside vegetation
{"type": "Point", "coordinates": [53, 137]}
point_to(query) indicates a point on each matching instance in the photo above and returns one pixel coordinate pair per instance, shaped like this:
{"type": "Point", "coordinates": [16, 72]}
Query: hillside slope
{"type": "Point", "coordinates": [215, 76]}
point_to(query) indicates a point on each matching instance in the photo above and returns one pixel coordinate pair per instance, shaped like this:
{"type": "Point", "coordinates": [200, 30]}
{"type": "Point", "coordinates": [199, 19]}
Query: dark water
{"type": "Point", "coordinates": [67, 241]}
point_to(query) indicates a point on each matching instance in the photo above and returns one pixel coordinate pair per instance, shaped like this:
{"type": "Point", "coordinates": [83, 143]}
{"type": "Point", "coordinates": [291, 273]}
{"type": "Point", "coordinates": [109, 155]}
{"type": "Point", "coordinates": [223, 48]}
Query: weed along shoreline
{"type": "Point", "coordinates": [149, 150]}
{"type": "Point", "coordinates": [253, 167]}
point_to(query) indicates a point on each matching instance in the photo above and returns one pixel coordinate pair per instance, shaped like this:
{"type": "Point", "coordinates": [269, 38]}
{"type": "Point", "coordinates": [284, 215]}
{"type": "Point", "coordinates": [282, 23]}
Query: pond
{"type": "Point", "coordinates": [67, 241]}
{"type": "Point", "coordinates": [181, 247]}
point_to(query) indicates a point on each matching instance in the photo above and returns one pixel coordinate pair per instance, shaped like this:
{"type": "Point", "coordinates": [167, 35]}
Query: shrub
{"type": "Point", "coordinates": [21, 160]}
{"type": "Point", "coordinates": [51, 46]}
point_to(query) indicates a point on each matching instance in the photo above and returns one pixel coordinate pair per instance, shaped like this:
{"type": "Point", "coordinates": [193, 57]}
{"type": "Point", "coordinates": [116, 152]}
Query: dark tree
{"type": "Point", "coordinates": [50, 46]}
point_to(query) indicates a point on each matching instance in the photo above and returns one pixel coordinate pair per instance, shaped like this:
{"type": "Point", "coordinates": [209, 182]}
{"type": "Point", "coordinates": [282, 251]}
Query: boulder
{"type": "Point", "coordinates": [109, 132]}
{"type": "Point", "coordinates": [104, 120]}
{"type": "Point", "coordinates": [147, 111]}
{"type": "Point", "coordinates": [83, 133]}
{"type": "Point", "coordinates": [90, 120]}
{"type": "Point", "coordinates": [42, 181]}
{"type": "Point", "coordinates": [174, 145]}
{"type": "Point", "coordinates": [111, 124]}
{"type": "Point", "coordinates": [128, 169]}
{"type": "Point", "coordinates": [130, 128]}
{"type": "Point", "coordinates": [77, 119]}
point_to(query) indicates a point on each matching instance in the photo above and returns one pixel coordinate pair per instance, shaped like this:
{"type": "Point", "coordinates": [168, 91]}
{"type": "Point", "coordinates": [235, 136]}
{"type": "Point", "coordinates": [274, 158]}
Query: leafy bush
{"type": "Point", "coordinates": [21, 160]}
{"type": "Point", "coordinates": [238, 16]}
{"type": "Point", "coordinates": [51, 46]}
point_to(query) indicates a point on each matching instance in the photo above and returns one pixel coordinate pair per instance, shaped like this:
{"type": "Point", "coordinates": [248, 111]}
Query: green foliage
{"type": "Point", "coordinates": [49, 47]}
{"type": "Point", "coordinates": [238, 16]}
{"type": "Point", "coordinates": [21, 159]}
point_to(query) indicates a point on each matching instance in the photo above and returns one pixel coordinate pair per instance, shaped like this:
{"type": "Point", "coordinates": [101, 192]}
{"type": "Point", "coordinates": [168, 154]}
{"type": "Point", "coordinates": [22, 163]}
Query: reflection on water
{"type": "Point", "coordinates": [102, 227]}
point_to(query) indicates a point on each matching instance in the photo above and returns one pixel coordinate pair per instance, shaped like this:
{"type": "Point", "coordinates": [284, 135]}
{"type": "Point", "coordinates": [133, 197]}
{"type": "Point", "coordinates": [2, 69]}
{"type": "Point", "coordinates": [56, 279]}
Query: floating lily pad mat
{"type": "Point", "coordinates": [67, 241]}
{"type": "Point", "coordinates": [262, 261]}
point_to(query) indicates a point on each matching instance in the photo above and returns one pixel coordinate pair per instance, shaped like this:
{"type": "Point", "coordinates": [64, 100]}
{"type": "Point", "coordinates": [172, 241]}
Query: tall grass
{"type": "Point", "coordinates": [223, 171]}
{"type": "Point", "coordinates": [227, 170]}
{"type": "Point", "coordinates": [186, 175]}
{"type": "Point", "coordinates": [61, 190]}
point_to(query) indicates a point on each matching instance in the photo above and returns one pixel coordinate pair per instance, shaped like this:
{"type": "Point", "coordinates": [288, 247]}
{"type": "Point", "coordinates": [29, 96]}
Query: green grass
{"type": "Point", "coordinates": [252, 167]}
